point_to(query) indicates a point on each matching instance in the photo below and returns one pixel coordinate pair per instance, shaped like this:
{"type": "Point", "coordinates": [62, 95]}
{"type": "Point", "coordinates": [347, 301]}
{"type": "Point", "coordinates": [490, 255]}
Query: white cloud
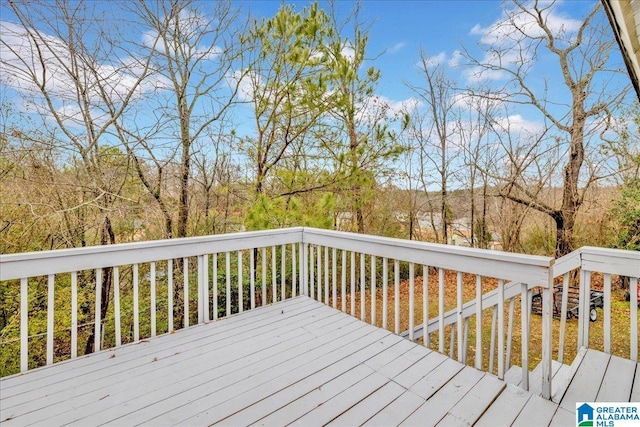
{"type": "Point", "coordinates": [515, 23]}
{"type": "Point", "coordinates": [456, 59]}
{"type": "Point", "coordinates": [20, 60]}
{"type": "Point", "coordinates": [506, 34]}
{"type": "Point", "coordinates": [24, 68]}
{"type": "Point", "coordinates": [432, 61]}
{"type": "Point", "coordinates": [246, 82]}
{"type": "Point", "coordinates": [190, 26]}
{"type": "Point", "coordinates": [397, 108]}
{"type": "Point", "coordinates": [379, 107]}
{"type": "Point", "coordinates": [348, 52]}
{"type": "Point", "coordinates": [396, 47]}
{"type": "Point", "coordinates": [150, 39]}
{"type": "Point", "coordinates": [463, 101]}
{"type": "Point", "coordinates": [479, 74]}
{"type": "Point", "coordinates": [516, 124]}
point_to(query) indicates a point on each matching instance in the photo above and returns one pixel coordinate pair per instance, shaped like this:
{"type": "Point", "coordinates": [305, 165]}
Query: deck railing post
{"type": "Point", "coordinates": [304, 270]}
{"type": "Point", "coordinates": [74, 314]}
{"type": "Point", "coordinates": [24, 324]}
{"type": "Point", "coordinates": [584, 308]}
{"type": "Point", "coordinates": [633, 308]}
{"type": "Point", "coordinates": [526, 327]}
{"type": "Point", "coordinates": [200, 285]}
{"type": "Point", "coordinates": [98, 306]}
{"type": "Point", "coordinates": [547, 339]}
{"type": "Point", "coordinates": [205, 287]}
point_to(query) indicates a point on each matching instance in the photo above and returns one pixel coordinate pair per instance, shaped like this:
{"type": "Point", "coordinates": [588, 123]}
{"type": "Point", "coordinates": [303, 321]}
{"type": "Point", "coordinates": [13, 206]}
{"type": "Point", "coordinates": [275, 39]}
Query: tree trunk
{"type": "Point", "coordinates": [483, 219]}
{"type": "Point", "coordinates": [565, 224]}
{"type": "Point", "coordinates": [183, 212]}
{"type": "Point", "coordinates": [571, 199]}
{"type": "Point", "coordinates": [443, 213]}
{"type": "Point", "coordinates": [473, 214]}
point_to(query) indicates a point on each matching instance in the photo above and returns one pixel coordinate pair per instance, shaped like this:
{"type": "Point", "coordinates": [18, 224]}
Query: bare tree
{"type": "Point", "coordinates": [194, 50]}
{"type": "Point", "coordinates": [574, 114]}
{"type": "Point", "coordinates": [474, 130]}
{"type": "Point", "coordinates": [216, 177]}
{"type": "Point", "coordinates": [63, 61]}
{"type": "Point", "coordinates": [432, 132]}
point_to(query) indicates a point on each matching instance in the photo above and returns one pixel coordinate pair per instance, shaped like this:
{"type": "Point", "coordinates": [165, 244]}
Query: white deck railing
{"type": "Point", "coordinates": [491, 268]}
{"type": "Point", "coordinates": [579, 267]}
{"type": "Point", "coordinates": [188, 282]}
{"type": "Point", "coordinates": [75, 268]}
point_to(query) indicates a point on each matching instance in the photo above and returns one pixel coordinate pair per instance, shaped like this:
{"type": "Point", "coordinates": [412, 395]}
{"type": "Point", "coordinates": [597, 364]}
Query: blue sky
{"type": "Point", "coordinates": [399, 29]}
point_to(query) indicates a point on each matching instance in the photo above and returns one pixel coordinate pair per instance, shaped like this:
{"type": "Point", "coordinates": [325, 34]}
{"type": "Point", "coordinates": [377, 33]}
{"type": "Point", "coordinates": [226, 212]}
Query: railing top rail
{"type": "Point", "coordinates": [16, 266]}
{"type": "Point", "coordinates": [517, 267]}
{"type": "Point", "coordinates": [530, 269]}
{"type": "Point", "coordinates": [604, 260]}
{"type": "Point", "coordinates": [567, 263]}
{"type": "Point", "coordinates": [612, 261]}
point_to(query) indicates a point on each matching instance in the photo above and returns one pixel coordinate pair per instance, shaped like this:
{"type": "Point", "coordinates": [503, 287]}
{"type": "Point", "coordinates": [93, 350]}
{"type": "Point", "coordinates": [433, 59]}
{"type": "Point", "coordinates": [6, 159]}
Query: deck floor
{"type": "Point", "coordinates": [296, 362]}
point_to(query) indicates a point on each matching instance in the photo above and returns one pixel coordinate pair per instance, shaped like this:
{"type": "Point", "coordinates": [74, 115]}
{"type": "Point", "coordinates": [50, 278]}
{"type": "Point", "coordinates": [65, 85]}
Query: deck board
{"type": "Point", "coordinates": [154, 375]}
{"type": "Point", "coordinates": [176, 408]}
{"type": "Point", "coordinates": [294, 362]}
{"type": "Point", "coordinates": [438, 405]}
{"type": "Point", "coordinates": [221, 382]}
{"type": "Point", "coordinates": [375, 402]}
{"type": "Point", "coordinates": [396, 411]}
{"type": "Point", "coordinates": [306, 403]}
{"type": "Point", "coordinates": [635, 393]}
{"type": "Point", "coordinates": [471, 407]}
{"type": "Point", "coordinates": [64, 376]}
{"type": "Point", "coordinates": [284, 389]}
{"type": "Point", "coordinates": [586, 382]}
{"type": "Point", "coordinates": [537, 411]}
{"type": "Point", "coordinates": [419, 370]}
{"type": "Point", "coordinates": [343, 401]}
{"type": "Point", "coordinates": [405, 361]}
{"type": "Point", "coordinates": [79, 367]}
{"type": "Point", "coordinates": [563, 418]}
{"type": "Point", "coordinates": [505, 408]}
{"type": "Point", "coordinates": [428, 385]}
{"type": "Point", "coordinates": [618, 381]}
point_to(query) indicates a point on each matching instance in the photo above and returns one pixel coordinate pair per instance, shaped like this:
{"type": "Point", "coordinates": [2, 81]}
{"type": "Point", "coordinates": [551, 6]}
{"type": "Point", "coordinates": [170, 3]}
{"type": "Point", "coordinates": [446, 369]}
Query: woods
{"type": "Point", "coordinates": [195, 118]}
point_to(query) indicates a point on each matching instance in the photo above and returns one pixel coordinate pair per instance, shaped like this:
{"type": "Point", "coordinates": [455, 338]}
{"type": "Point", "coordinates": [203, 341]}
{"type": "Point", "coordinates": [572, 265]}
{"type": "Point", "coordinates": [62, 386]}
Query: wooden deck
{"type": "Point", "coordinates": [296, 362]}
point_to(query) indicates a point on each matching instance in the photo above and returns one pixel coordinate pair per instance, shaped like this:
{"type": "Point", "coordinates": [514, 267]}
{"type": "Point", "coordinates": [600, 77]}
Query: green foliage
{"type": "Point", "coordinates": [270, 213]}
{"type": "Point", "coordinates": [539, 240]}
{"type": "Point", "coordinates": [626, 210]}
